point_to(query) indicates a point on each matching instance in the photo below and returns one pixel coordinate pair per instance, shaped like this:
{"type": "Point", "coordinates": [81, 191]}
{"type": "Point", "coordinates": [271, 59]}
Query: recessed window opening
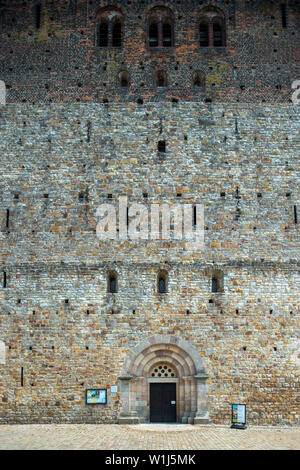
{"type": "Point", "coordinates": [283, 15]}
{"type": "Point", "coordinates": [162, 283]}
{"type": "Point", "coordinates": [161, 79]}
{"type": "Point", "coordinates": [161, 146]}
{"type": "Point", "coordinates": [160, 30]}
{"type": "Point", "coordinates": [212, 29]}
{"type": "Point", "coordinates": [112, 283]}
{"type": "Point", "coordinates": [295, 215]}
{"type": "Point", "coordinates": [124, 79]}
{"type": "Point", "coordinates": [7, 218]}
{"type": "Point", "coordinates": [37, 10]}
{"type": "Point", "coordinates": [199, 80]}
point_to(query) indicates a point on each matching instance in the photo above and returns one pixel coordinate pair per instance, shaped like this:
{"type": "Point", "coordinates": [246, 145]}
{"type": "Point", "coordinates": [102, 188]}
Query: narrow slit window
{"type": "Point", "coordinates": [4, 279]}
{"type": "Point", "coordinates": [22, 377]}
{"type": "Point", "coordinates": [162, 284]}
{"type": "Point", "coordinates": [38, 9]}
{"type": "Point", "coordinates": [283, 15]}
{"type": "Point", "coordinates": [295, 215]}
{"type": "Point", "coordinates": [7, 218]}
{"type": "Point", "coordinates": [112, 284]}
{"type": "Point", "coordinates": [194, 216]}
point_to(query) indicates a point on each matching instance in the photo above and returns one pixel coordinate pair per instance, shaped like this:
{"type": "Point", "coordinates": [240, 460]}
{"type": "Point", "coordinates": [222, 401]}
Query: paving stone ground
{"type": "Point", "coordinates": [146, 437]}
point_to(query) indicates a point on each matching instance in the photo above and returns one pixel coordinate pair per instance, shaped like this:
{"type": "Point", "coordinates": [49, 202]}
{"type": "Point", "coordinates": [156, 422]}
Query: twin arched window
{"type": "Point", "coordinates": [110, 23]}
{"type": "Point", "coordinates": [212, 29]}
{"type": "Point", "coordinates": [109, 28]}
{"type": "Point", "coordinates": [160, 28]}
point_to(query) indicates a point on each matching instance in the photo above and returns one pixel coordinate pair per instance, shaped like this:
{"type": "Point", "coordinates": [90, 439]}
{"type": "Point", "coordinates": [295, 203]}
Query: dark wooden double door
{"type": "Point", "coordinates": [163, 403]}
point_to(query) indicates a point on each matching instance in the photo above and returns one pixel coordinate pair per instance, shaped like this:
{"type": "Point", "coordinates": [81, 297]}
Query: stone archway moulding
{"type": "Point", "coordinates": [191, 405]}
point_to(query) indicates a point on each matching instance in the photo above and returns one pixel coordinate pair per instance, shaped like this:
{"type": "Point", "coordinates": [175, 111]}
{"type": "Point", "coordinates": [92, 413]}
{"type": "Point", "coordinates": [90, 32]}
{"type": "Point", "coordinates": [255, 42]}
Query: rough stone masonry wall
{"type": "Point", "coordinates": [60, 60]}
{"type": "Point", "coordinates": [59, 324]}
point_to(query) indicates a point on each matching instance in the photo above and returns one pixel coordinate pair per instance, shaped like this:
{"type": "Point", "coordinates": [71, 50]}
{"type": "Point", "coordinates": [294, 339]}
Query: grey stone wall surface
{"type": "Point", "coordinates": [58, 164]}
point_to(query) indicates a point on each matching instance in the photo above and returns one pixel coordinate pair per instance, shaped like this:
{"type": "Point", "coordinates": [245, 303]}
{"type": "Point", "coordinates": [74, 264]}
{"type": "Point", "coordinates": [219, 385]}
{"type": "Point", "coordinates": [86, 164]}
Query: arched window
{"type": "Point", "coordinates": [112, 283]}
{"type": "Point", "coordinates": [162, 280]}
{"type": "Point", "coordinates": [109, 27]}
{"type": "Point", "coordinates": [199, 79]}
{"type": "Point", "coordinates": [124, 79]}
{"type": "Point", "coordinates": [161, 79]}
{"type": "Point", "coordinates": [160, 27]}
{"type": "Point", "coordinates": [217, 281]}
{"type": "Point", "coordinates": [212, 29]}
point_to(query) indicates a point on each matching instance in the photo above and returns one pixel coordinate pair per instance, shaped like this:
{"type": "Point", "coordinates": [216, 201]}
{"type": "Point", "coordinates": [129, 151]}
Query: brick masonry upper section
{"type": "Point", "coordinates": [60, 60]}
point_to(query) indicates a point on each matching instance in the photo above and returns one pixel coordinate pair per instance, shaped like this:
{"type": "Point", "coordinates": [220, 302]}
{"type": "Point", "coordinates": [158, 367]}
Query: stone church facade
{"type": "Point", "coordinates": [176, 103]}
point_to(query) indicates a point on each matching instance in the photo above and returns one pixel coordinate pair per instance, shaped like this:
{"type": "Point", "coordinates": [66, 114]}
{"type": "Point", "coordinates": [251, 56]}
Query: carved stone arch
{"type": "Point", "coordinates": [191, 405]}
{"type": "Point", "coordinates": [2, 352]}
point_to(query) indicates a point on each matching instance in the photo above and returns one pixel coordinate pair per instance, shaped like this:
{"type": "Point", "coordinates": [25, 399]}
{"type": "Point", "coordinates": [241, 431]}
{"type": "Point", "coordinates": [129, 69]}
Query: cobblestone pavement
{"type": "Point", "coordinates": [146, 437]}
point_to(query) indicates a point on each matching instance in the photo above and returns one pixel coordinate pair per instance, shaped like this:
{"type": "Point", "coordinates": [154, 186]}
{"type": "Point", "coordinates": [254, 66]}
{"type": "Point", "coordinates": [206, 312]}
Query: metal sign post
{"type": "Point", "coordinates": [238, 416]}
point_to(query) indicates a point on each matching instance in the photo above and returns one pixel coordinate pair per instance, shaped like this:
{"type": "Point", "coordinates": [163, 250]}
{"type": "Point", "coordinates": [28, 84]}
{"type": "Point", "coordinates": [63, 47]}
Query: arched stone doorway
{"type": "Point", "coordinates": [188, 374]}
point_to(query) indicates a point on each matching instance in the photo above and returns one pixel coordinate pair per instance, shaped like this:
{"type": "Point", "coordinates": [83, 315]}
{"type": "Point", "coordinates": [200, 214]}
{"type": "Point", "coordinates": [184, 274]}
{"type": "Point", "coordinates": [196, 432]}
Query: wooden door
{"type": "Point", "coordinates": [163, 403]}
